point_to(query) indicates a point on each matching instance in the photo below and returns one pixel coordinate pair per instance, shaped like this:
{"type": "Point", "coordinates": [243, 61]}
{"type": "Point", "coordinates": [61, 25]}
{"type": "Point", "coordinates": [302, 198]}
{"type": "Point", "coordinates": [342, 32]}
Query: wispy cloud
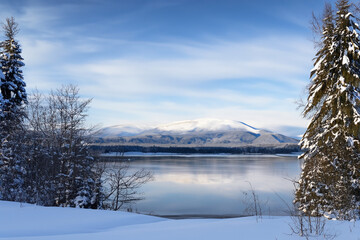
{"type": "Point", "coordinates": [131, 86]}
{"type": "Point", "coordinates": [132, 78]}
{"type": "Point", "coordinates": [278, 60]}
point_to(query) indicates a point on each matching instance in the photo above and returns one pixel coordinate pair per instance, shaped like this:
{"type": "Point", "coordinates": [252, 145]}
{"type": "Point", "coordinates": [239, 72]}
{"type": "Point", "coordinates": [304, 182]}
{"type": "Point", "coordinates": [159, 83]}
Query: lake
{"type": "Point", "coordinates": [216, 185]}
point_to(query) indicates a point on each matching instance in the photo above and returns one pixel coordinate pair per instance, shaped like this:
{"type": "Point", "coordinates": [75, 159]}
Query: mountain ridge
{"type": "Point", "coordinates": [199, 132]}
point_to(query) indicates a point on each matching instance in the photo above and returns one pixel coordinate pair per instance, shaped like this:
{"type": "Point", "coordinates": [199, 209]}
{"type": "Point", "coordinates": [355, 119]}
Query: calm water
{"type": "Point", "coordinates": [217, 185]}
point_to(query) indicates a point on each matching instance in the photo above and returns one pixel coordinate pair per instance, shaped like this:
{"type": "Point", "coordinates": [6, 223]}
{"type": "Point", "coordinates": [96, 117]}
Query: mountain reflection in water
{"type": "Point", "coordinates": [217, 185]}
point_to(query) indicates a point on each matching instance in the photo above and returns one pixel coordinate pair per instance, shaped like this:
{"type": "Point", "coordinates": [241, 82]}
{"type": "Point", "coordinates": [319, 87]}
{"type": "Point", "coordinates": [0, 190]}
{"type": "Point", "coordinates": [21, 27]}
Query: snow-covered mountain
{"type": "Point", "coordinates": [204, 125]}
{"type": "Point", "coordinates": [180, 127]}
{"type": "Point", "coordinates": [122, 130]}
{"type": "Point", "coordinates": [199, 132]}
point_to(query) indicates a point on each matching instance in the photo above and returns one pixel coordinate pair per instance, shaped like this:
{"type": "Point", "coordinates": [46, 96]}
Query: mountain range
{"type": "Point", "coordinates": [192, 133]}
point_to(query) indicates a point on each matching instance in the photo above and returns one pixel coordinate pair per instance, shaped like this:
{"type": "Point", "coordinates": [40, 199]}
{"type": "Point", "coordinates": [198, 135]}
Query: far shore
{"type": "Point", "coordinates": [201, 150]}
{"type": "Point", "coordinates": [196, 155]}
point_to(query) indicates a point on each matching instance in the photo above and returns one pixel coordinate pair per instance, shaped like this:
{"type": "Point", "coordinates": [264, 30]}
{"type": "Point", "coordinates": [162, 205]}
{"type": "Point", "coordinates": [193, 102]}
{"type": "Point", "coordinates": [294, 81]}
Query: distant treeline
{"type": "Point", "coordinates": [288, 148]}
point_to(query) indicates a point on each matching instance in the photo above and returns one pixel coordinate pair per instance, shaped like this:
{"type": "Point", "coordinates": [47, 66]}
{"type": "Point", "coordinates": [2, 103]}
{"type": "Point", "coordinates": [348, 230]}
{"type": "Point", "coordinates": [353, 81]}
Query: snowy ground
{"type": "Point", "coordinates": [23, 221]}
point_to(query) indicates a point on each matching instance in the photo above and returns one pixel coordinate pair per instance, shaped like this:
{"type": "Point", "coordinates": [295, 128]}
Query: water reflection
{"type": "Point", "coordinates": [216, 185]}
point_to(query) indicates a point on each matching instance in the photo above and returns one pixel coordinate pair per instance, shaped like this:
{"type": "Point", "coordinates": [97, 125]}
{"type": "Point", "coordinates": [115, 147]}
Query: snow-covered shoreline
{"type": "Point", "coordinates": [26, 221]}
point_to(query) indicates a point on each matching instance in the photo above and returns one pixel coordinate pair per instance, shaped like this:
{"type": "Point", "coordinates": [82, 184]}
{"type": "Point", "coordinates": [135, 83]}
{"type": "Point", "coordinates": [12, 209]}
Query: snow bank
{"type": "Point", "coordinates": [20, 220]}
{"type": "Point", "coordinates": [24, 221]}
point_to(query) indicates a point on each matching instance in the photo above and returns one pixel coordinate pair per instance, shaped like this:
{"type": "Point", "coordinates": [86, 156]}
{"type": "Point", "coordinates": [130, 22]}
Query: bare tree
{"type": "Point", "coordinates": [62, 169]}
{"type": "Point", "coordinates": [121, 186]}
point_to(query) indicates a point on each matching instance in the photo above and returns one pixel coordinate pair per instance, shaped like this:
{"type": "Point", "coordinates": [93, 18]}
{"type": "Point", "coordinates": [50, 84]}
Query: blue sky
{"type": "Point", "coordinates": [160, 61]}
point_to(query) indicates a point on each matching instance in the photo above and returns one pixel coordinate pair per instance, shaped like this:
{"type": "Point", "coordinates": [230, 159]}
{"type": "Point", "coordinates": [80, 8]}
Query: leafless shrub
{"type": "Point", "coordinates": [304, 225]}
{"type": "Point", "coordinates": [308, 227]}
{"type": "Point", "coordinates": [253, 205]}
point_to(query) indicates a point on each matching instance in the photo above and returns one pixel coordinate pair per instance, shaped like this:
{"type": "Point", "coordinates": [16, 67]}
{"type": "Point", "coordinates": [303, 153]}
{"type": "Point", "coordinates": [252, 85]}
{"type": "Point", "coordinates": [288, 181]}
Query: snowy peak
{"type": "Point", "coordinates": [122, 130]}
{"type": "Point", "coordinates": [205, 125]}
{"type": "Point", "coordinates": [179, 127]}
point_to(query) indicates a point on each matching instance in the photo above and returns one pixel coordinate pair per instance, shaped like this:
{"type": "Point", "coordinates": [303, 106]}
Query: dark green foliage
{"type": "Point", "coordinates": [13, 92]}
{"type": "Point", "coordinates": [329, 183]}
{"type": "Point", "coordinates": [12, 100]}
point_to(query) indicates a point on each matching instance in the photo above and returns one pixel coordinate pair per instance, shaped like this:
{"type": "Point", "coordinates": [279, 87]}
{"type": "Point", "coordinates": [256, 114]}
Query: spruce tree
{"type": "Point", "coordinates": [329, 183]}
{"type": "Point", "coordinates": [12, 99]}
{"type": "Point", "coordinates": [12, 85]}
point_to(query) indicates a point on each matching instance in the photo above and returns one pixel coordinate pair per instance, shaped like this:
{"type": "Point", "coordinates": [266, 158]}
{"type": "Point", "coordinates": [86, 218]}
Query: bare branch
{"type": "Point", "coordinates": [316, 27]}
{"type": "Point", "coordinates": [122, 186]}
{"type": "Point", "coordinates": [10, 28]}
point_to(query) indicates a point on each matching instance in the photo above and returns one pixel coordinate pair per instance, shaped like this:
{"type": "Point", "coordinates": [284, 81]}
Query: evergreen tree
{"type": "Point", "coordinates": [329, 183]}
{"type": "Point", "coordinates": [12, 85]}
{"type": "Point", "coordinates": [12, 99]}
